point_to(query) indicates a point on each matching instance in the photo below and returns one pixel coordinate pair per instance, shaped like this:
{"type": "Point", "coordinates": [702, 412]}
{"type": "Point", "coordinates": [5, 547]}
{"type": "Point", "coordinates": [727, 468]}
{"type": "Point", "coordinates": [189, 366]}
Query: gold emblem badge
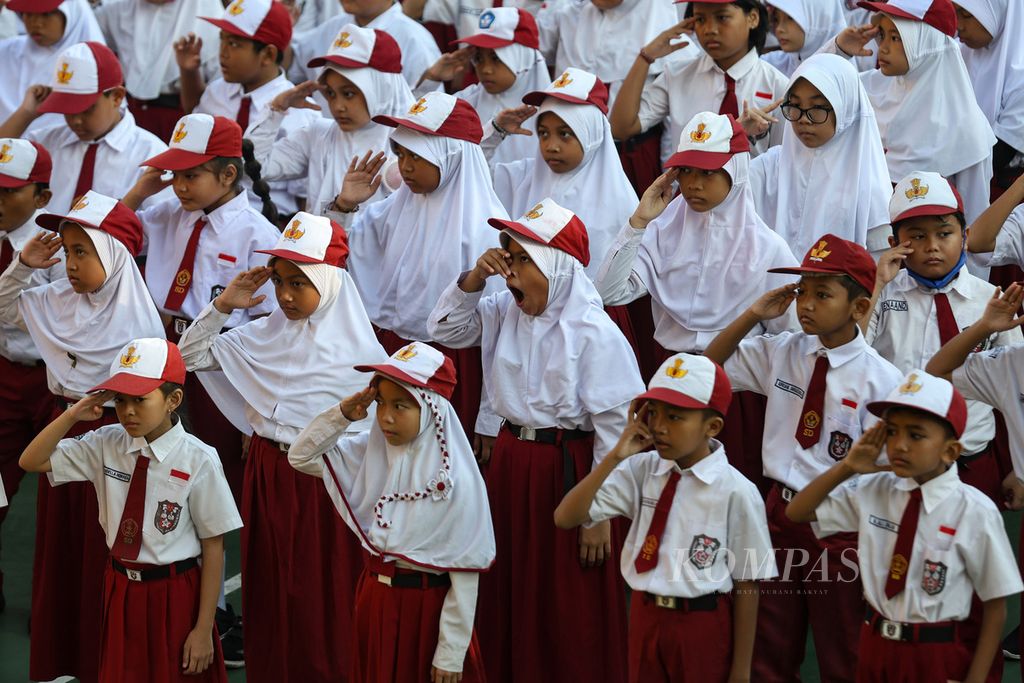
{"type": "Point", "coordinates": [406, 354]}
{"type": "Point", "coordinates": [180, 133]}
{"type": "Point", "coordinates": [911, 386]}
{"type": "Point", "coordinates": [700, 135]}
{"type": "Point", "coordinates": [898, 567]}
{"type": "Point", "coordinates": [236, 8]}
{"type": "Point", "coordinates": [820, 252]}
{"type": "Point", "coordinates": [649, 547]}
{"type": "Point", "coordinates": [562, 81]}
{"type": "Point", "coordinates": [916, 189]}
{"type": "Point", "coordinates": [812, 419]}
{"type": "Point", "coordinates": [676, 371]}
{"type": "Point", "coordinates": [419, 107]}
{"type": "Point", "coordinates": [129, 357]}
{"type": "Point", "coordinates": [342, 41]}
{"type": "Point", "coordinates": [535, 213]}
{"type": "Point", "coordinates": [182, 279]}
{"type": "Point", "coordinates": [64, 75]}
{"type": "Point", "coordinates": [294, 231]}
{"type": "Point", "coordinates": [5, 154]}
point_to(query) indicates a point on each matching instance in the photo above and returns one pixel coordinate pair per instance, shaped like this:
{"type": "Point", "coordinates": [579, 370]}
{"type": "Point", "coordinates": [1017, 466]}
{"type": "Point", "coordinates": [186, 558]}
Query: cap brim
{"type": "Point", "coordinates": [392, 372]}
{"type": "Point", "coordinates": [801, 270]}
{"type": "Point", "coordinates": [10, 182]}
{"type": "Point", "coordinates": [706, 161]}
{"type": "Point", "coordinates": [887, 9]}
{"type": "Point", "coordinates": [929, 210]}
{"type": "Point", "coordinates": [484, 41]}
{"type": "Point", "coordinates": [515, 227]}
{"type": "Point", "coordinates": [126, 383]}
{"type": "Point", "coordinates": [537, 97]}
{"type": "Point", "coordinates": [290, 255]}
{"type": "Point", "coordinates": [225, 25]}
{"type": "Point", "coordinates": [395, 122]}
{"type": "Point", "coordinates": [177, 160]}
{"type": "Point", "coordinates": [337, 61]}
{"type": "Point", "coordinates": [67, 103]}
{"type": "Point", "coordinates": [673, 398]}
{"type": "Point", "coordinates": [33, 6]}
{"type": "Point", "coordinates": [878, 409]}
{"type": "Point", "coordinates": [52, 221]}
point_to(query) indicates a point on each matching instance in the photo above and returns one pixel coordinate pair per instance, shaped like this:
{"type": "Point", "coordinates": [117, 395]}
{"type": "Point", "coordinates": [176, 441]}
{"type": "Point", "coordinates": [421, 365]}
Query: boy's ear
{"type": "Point", "coordinates": [951, 451]}
{"type": "Point", "coordinates": [861, 306]}
{"type": "Point", "coordinates": [268, 55]}
{"type": "Point", "coordinates": [713, 427]}
{"type": "Point", "coordinates": [116, 94]}
{"type": "Point", "coordinates": [892, 241]}
{"type": "Point", "coordinates": [43, 198]}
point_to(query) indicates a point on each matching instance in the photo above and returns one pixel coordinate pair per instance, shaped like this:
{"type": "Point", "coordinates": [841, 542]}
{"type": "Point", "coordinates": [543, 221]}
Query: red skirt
{"type": "Point", "coordinates": [641, 158]}
{"type": "Point", "coordinates": [159, 119]}
{"type": "Point", "coordinates": [396, 634]}
{"type": "Point", "coordinates": [541, 616]}
{"type": "Point", "coordinates": [300, 567]}
{"type": "Point", "coordinates": [145, 625]}
{"type": "Point", "coordinates": [67, 576]}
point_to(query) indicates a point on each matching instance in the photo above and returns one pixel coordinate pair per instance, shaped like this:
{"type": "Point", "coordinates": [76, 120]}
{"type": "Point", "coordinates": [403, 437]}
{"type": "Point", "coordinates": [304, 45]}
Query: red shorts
{"type": "Point", "coordinates": [672, 645]}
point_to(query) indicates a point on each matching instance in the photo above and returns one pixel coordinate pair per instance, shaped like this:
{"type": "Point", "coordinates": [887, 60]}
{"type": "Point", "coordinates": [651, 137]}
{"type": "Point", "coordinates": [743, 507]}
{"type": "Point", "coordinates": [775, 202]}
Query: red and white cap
{"type": "Point", "coordinates": [939, 14]}
{"type": "Point", "coordinates": [927, 393]}
{"type": "Point", "coordinates": [420, 365]}
{"type": "Point", "coordinates": [196, 139]}
{"type": "Point", "coordinates": [502, 26]}
{"type": "Point", "coordinates": [33, 6]}
{"type": "Point", "coordinates": [355, 48]}
{"type": "Point", "coordinates": [576, 86]}
{"type": "Point", "coordinates": [23, 162]}
{"type": "Point", "coordinates": [924, 193]}
{"type": "Point", "coordinates": [264, 21]}
{"type": "Point", "coordinates": [81, 74]}
{"type": "Point", "coordinates": [553, 225]}
{"type": "Point", "coordinates": [689, 381]}
{"type": "Point", "coordinates": [441, 114]}
{"type": "Point", "coordinates": [311, 239]}
{"type": "Point", "coordinates": [142, 365]}
{"type": "Point", "coordinates": [832, 255]}
{"type": "Point", "coordinates": [708, 142]}
{"type": "Point", "coordinates": [95, 210]}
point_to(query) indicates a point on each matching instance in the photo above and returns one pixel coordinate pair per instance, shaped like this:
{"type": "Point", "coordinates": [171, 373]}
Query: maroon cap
{"type": "Point", "coordinates": [575, 86]}
{"type": "Point", "coordinates": [552, 225]}
{"type": "Point", "coordinates": [33, 6]}
{"type": "Point", "coordinates": [420, 365]}
{"type": "Point", "coordinates": [503, 26]}
{"type": "Point", "coordinates": [708, 142]}
{"type": "Point", "coordinates": [82, 73]}
{"type": "Point", "coordinates": [23, 162]}
{"type": "Point", "coordinates": [142, 366]}
{"type": "Point", "coordinates": [940, 14]}
{"type": "Point", "coordinates": [441, 114]}
{"type": "Point", "coordinates": [833, 255]}
{"type": "Point", "coordinates": [94, 210]}
{"type": "Point", "coordinates": [311, 239]}
{"type": "Point", "coordinates": [265, 21]}
{"type": "Point", "coordinates": [196, 139]}
{"type": "Point", "coordinates": [356, 48]}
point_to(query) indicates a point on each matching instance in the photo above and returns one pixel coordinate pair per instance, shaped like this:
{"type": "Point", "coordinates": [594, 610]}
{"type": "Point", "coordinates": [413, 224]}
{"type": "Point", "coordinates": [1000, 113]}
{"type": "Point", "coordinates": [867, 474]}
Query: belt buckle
{"type": "Point", "coordinates": [890, 630]}
{"type": "Point", "coordinates": [666, 601]}
{"type": "Point", "coordinates": [386, 580]}
{"type": "Point", "coordinates": [527, 434]}
{"type": "Point", "coordinates": [787, 494]}
{"type": "Point", "coordinates": [180, 325]}
{"type": "Point", "coordinates": [133, 574]}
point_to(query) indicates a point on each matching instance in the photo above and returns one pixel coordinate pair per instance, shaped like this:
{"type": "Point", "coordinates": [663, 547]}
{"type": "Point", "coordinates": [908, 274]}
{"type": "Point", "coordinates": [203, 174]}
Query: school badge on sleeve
{"type": "Point", "coordinates": [167, 516]}
{"type": "Point", "coordinates": [933, 578]}
{"type": "Point", "coordinates": [703, 550]}
{"type": "Point", "coordinates": [839, 445]}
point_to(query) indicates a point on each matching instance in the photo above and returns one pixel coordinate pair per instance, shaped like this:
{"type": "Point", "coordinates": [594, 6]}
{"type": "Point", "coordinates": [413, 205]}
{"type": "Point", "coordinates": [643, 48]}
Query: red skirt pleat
{"type": "Point", "coordinates": [641, 158]}
{"type": "Point", "coordinates": [396, 634]}
{"type": "Point", "coordinates": [67, 576]}
{"type": "Point", "coordinates": [145, 626]}
{"type": "Point", "coordinates": [300, 567]}
{"type": "Point", "coordinates": [620, 316]}
{"type": "Point", "coordinates": [541, 616]}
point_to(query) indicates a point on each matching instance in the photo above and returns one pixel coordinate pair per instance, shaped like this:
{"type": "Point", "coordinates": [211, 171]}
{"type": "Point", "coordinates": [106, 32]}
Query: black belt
{"type": "Point", "coordinates": [413, 579]}
{"type": "Point", "coordinates": [705, 603]}
{"type": "Point", "coordinates": [553, 437]}
{"type": "Point", "coordinates": [156, 573]}
{"type": "Point", "coordinates": [944, 632]}
{"type": "Point", "coordinates": [787, 494]}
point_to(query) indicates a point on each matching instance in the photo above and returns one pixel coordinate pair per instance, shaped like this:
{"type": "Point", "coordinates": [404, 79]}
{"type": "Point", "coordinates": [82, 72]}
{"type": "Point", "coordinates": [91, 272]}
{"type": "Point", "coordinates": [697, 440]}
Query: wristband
{"type": "Point", "coordinates": [499, 130]}
{"type": "Point", "coordinates": [646, 57]}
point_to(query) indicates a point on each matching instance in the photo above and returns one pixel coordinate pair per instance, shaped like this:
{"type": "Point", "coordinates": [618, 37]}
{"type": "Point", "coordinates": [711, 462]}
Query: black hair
{"type": "Point", "coordinates": [709, 414]}
{"type": "Point", "coordinates": [168, 388]}
{"type": "Point", "coordinates": [854, 289]}
{"type": "Point", "coordinates": [931, 417]}
{"type": "Point", "coordinates": [899, 224]}
{"type": "Point", "coordinates": [41, 188]}
{"type": "Point", "coordinates": [248, 165]}
{"type": "Point", "coordinates": [258, 47]}
{"type": "Point", "coordinates": [758, 34]}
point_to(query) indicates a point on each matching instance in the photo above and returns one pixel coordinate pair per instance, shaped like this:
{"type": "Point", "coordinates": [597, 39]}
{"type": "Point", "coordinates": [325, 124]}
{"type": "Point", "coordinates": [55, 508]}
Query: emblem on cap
{"type": "Point", "coordinates": [419, 107]}
{"type": "Point", "coordinates": [180, 133]}
{"type": "Point", "coordinates": [916, 189]}
{"type": "Point", "coordinates": [129, 357]}
{"type": "Point", "coordinates": [342, 40]}
{"type": "Point", "coordinates": [236, 8]}
{"type": "Point", "coordinates": [820, 252]}
{"type": "Point", "coordinates": [535, 213]}
{"type": "Point", "coordinates": [676, 370]}
{"type": "Point", "coordinates": [65, 74]}
{"type": "Point", "coordinates": [80, 204]}
{"type": "Point", "coordinates": [912, 386]}
{"type": "Point", "coordinates": [5, 154]}
{"type": "Point", "coordinates": [562, 81]}
{"type": "Point", "coordinates": [700, 135]}
{"type": "Point", "coordinates": [294, 231]}
{"type": "Point", "coordinates": [486, 19]}
{"type": "Point", "coordinates": [406, 354]}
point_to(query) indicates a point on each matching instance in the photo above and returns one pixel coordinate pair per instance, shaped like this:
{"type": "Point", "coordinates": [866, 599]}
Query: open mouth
{"type": "Point", "coordinates": [517, 294]}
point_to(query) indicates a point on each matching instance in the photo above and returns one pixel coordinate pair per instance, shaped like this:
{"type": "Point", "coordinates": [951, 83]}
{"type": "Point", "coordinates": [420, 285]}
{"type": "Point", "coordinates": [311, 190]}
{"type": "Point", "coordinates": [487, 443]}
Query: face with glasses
{"type": "Point", "coordinates": [810, 114]}
{"type": "Point", "coordinates": [492, 73]}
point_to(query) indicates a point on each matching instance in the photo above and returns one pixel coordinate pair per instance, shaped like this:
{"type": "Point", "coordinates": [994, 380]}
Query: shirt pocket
{"type": "Point", "coordinates": [170, 506]}
{"type": "Point", "coordinates": [704, 555]}
{"type": "Point", "coordinates": [938, 564]}
{"type": "Point", "coordinates": [841, 432]}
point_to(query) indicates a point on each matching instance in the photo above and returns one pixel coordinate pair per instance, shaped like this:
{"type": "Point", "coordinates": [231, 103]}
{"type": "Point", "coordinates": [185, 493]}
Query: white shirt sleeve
{"type": "Point", "coordinates": [748, 539]}
{"type": "Point", "coordinates": [991, 565]}
{"type": "Point", "coordinates": [983, 376]}
{"type": "Point", "coordinates": [548, 28]}
{"type": "Point", "coordinates": [317, 438]}
{"type": "Point", "coordinates": [455, 320]}
{"type": "Point", "coordinates": [619, 495]}
{"type": "Point", "coordinates": [286, 158]}
{"type": "Point", "coordinates": [841, 510]}
{"type": "Point", "coordinates": [77, 459]}
{"type": "Point", "coordinates": [456, 623]}
{"type": "Point", "coordinates": [196, 344]}
{"type": "Point", "coordinates": [1010, 241]}
{"type": "Point", "coordinates": [608, 427]}
{"type": "Point", "coordinates": [211, 505]}
{"type": "Point", "coordinates": [13, 280]}
{"type": "Point", "coordinates": [748, 368]}
{"type": "Point", "coordinates": [617, 282]}
{"type": "Point", "coordinates": [654, 103]}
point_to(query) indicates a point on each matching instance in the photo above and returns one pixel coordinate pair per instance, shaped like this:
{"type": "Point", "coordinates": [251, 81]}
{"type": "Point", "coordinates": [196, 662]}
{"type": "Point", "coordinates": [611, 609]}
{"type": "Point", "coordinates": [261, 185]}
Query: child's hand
{"type": "Point", "coordinates": [361, 181]}
{"type": "Point", "coordinates": [442, 676]}
{"type": "Point", "coordinates": [595, 544]}
{"type": "Point", "coordinates": [1013, 492]}
{"type": "Point", "coordinates": [889, 263]}
{"type": "Point", "coordinates": [1001, 311]}
{"type": "Point", "coordinates": [852, 40]}
{"type": "Point", "coordinates": [187, 53]}
{"type": "Point", "coordinates": [774, 303]}
{"type": "Point", "coordinates": [197, 654]}
{"type": "Point", "coordinates": [864, 454]}
{"type": "Point", "coordinates": [241, 290]}
{"type": "Point", "coordinates": [38, 252]}
{"type": "Point", "coordinates": [34, 97]}
{"type": "Point", "coordinates": [356, 407]}
{"type": "Point", "coordinates": [636, 437]}
{"type": "Point", "coordinates": [449, 66]}
{"type": "Point", "coordinates": [295, 98]}
{"type": "Point", "coordinates": [91, 407]}
{"type": "Point", "coordinates": [482, 447]}
{"type": "Point", "coordinates": [149, 183]}
{"type": "Point", "coordinates": [756, 121]}
{"type": "Point", "coordinates": [492, 262]}
{"type": "Point", "coordinates": [662, 45]}
{"type": "Point", "coordinates": [654, 200]}
{"type": "Point", "coordinates": [511, 120]}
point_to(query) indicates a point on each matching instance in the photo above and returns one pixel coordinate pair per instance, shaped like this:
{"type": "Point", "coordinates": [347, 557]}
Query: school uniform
{"type": "Point", "coordinates": [464, 15]}
{"type": "Point", "coordinates": [299, 566]}
{"type": "Point", "coordinates": [1009, 250]}
{"type": "Point", "coordinates": [818, 20]}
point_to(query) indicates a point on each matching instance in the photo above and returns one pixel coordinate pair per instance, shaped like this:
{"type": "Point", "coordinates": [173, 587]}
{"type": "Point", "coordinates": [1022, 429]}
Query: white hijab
{"type": "Point", "coordinates": [702, 267]}
{"type": "Point", "coordinates": [597, 190]}
{"type": "Point", "coordinates": [997, 70]}
{"type": "Point", "coordinates": [929, 117]}
{"type": "Point", "coordinates": [568, 361]}
{"type": "Point", "coordinates": [406, 249]}
{"type": "Point", "coordinates": [531, 74]}
{"type": "Point", "coordinates": [844, 184]}
{"type": "Point", "coordinates": [288, 371]}
{"type": "Point", "coordinates": [391, 499]}
{"type": "Point", "coordinates": [79, 334]}
{"type": "Point", "coordinates": [819, 19]}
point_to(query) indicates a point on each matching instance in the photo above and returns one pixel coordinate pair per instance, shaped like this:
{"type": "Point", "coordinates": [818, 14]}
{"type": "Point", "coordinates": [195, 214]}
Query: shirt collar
{"type": "Point", "coordinates": [961, 284]}
{"type": "Point", "coordinates": [119, 138]}
{"type": "Point", "coordinates": [163, 446]}
{"type": "Point", "coordinates": [738, 70]}
{"type": "Point", "coordinates": [935, 491]}
{"type": "Point", "coordinates": [262, 95]}
{"type": "Point", "coordinates": [707, 469]}
{"type": "Point", "coordinates": [840, 355]}
{"type": "Point", "coordinates": [223, 215]}
{"type": "Point", "coordinates": [384, 17]}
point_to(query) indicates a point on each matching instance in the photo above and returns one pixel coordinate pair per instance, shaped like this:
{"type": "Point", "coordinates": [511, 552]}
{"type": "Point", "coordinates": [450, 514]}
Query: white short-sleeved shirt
{"type": "Point", "coordinates": [716, 531]}
{"type": "Point", "coordinates": [780, 367]}
{"type": "Point", "coordinates": [118, 159]}
{"type": "Point", "coordinates": [1009, 242]}
{"type": "Point", "coordinates": [684, 90]}
{"type": "Point", "coordinates": [997, 378]}
{"type": "Point", "coordinates": [904, 329]}
{"type": "Point", "coordinates": [960, 546]}
{"type": "Point", "coordinates": [187, 495]}
{"type": "Point", "coordinates": [464, 15]}
{"type": "Point", "coordinates": [227, 246]}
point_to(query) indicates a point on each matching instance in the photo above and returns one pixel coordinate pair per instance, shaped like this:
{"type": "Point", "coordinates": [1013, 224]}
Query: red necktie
{"type": "Point", "coordinates": [809, 430]}
{"type": "Point", "coordinates": [6, 254]}
{"type": "Point", "coordinates": [729, 104]}
{"type": "Point", "coordinates": [242, 117]}
{"type": "Point", "coordinates": [127, 544]}
{"type": "Point", "coordinates": [947, 323]}
{"type": "Point", "coordinates": [85, 175]}
{"type": "Point", "coordinates": [183, 280]}
{"type": "Point", "coordinates": [648, 557]}
{"type": "Point", "coordinates": [904, 546]}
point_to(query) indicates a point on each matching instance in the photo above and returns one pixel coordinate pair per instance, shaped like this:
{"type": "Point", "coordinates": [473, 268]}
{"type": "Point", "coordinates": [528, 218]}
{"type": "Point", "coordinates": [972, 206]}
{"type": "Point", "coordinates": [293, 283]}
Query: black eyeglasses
{"type": "Point", "coordinates": [817, 114]}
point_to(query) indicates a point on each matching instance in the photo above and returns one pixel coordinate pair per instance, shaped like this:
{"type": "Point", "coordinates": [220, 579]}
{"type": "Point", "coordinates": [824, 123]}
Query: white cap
{"type": "Point", "coordinates": [142, 365]}
{"type": "Point", "coordinates": [928, 393]}
{"type": "Point", "coordinates": [923, 193]}
{"type": "Point", "coordinates": [690, 381]}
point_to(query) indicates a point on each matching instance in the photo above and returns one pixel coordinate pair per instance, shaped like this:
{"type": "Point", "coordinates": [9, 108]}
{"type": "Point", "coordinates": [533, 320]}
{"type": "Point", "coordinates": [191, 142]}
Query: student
{"type": "Point", "coordinates": [708, 523]}
{"type": "Point", "coordinates": [25, 400]}
{"type": "Point", "coordinates": [299, 566]}
{"type": "Point", "coordinates": [547, 346]}
{"type": "Point", "coordinates": [802, 27]}
{"type": "Point", "coordinates": [919, 572]}
{"type": "Point", "coordinates": [995, 62]}
{"type": "Point", "coordinates": [818, 382]}
{"type": "Point", "coordinates": [411, 492]}
{"type": "Point", "coordinates": [830, 168]}
{"type": "Point", "coordinates": [577, 165]}
{"type": "Point", "coordinates": [144, 33]}
{"type": "Point", "coordinates": [446, 199]}
{"type": "Point", "coordinates": [165, 507]}
{"type": "Point", "coordinates": [464, 15]}
{"type": "Point", "coordinates": [48, 28]}
{"type": "Point", "coordinates": [98, 146]}
{"type": "Point", "coordinates": [507, 64]}
{"type": "Point", "coordinates": [728, 78]}
{"type": "Point", "coordinates": [996, 237]}
{"type": "Point", "coordinates": [917, 51]}
{"type": "Point", "coordinates": [361, 78]}
{"type": "Point", "coordinates": [77, 324]}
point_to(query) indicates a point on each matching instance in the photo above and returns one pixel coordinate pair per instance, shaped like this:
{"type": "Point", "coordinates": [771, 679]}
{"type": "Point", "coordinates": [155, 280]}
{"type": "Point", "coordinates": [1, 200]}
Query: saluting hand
{"type": "Point", "coordinates": [361, 181]}
{"type": "Point", "coordinates": [863, 455]}
{"type": "Point", "coordinates": [1001, 311]}
{"type": "Point", "coordinates": [890, 262]}
{"type": "Point", "coordinates": [852, 39]}
{"type": "Point", "coordinates": [511, 120]}
{"type": "Point", "coordinates": [662, 45]}
{"type": "Point", "coordinates": [655, 199]}
{"type": "Point", "coordinates": [240, 292]}
{"type": "Point", "coordinates": [637, 436]}
{"type": "Point", "coordinates": [188, 52]}
{"type": "Point", "coordinates": [295, 98]}
{"type": "Point", "coordinates": [91, 407]}
{"type": "Point", "coordinates": [774, 303]}
{"type": "Point", "coordinates": [357, 406]}
{"type": "Point", "coordinates": [38, 252]}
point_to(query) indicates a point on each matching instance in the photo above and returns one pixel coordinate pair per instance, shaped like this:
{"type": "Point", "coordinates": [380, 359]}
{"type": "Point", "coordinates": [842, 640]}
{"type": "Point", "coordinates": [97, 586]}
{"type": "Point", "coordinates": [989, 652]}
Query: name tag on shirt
{"type": "Point", "coordinates": [789, 388]}
{"type": "Point", "coordinates": [894, 305]}
{"type": "Point", "coordinates": [116, 474]}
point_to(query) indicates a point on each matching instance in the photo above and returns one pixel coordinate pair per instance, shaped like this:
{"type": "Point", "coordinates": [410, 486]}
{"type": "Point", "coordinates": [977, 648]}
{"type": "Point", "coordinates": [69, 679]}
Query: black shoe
{"type": "Point", "coordinates": [1011, 645]}
{"type": "Point", "coordinates": [229, 626]}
